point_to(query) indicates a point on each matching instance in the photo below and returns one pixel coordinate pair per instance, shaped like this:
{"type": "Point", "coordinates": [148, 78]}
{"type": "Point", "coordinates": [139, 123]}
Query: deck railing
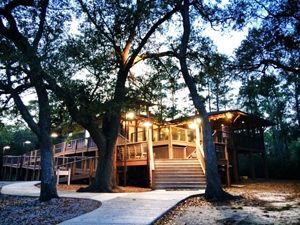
{"type": "Point", "coordinates": [177, 134]}
{"type": "Point", "coordinates": [130, 151]}
{"type": "Point", "coordinates": [79, 165]}
{"type": "Point", "coordinates": [11, 160]}
{"type": "Point", "coordinates": [73, 146]}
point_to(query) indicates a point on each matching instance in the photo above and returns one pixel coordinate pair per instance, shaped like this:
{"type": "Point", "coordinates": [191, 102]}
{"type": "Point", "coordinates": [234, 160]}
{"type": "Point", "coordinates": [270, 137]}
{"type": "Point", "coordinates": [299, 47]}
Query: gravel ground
{"type": "Point", "coordinates": [16, 210]}
{"type": "Point", "coordinates": [271, 202]}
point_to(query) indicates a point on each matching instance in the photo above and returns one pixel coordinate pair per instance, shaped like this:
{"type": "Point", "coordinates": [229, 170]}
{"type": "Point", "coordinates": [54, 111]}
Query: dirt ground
{"type": "Point", "coordinates": [264, 202]}
{"type": "Point", "coordinates": [119, 189]}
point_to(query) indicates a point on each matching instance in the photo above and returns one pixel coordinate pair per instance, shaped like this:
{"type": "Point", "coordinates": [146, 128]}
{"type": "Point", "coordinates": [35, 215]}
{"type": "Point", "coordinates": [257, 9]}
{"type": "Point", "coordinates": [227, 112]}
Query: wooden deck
{"type": "Point", "coordinates": [81, 157]}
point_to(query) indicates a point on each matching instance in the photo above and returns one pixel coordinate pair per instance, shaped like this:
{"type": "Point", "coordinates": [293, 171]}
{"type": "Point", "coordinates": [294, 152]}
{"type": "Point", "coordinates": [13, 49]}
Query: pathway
{"type": "Point", "coordinates": [117, 208]}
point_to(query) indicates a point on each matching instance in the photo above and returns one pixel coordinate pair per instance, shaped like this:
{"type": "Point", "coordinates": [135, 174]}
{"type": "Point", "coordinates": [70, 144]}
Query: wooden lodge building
{"type": "Point", "coordinates": [158, 155]}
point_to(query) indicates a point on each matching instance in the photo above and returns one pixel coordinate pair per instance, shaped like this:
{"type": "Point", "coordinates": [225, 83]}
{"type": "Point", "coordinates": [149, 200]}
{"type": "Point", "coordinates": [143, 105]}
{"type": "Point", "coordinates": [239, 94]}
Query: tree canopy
{"type": "Point", "coordinates": [93, 73]}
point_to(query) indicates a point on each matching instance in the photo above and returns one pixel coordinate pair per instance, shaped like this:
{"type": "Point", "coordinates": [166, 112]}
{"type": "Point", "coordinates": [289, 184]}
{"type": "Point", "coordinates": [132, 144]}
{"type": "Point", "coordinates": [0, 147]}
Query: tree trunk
{"type": "Point", "coordinates": [297, 107]}
{"type": "Point", "coordinates": [1, 162]}
{"type": "Point", "coordinates": [42, 130]}
{"type": "Point", "coordinates": [105, 180]}
{"type": "Point", "coordinates": [48, 184]}
{"type": "Point", "coordinates": [213, 189]}
{"type": "Point", "coordinates": [105, 140]}
{"type": "Point", "coordinates": [29, 59]}
{"type": "Point", "coordinates": [48, 181]}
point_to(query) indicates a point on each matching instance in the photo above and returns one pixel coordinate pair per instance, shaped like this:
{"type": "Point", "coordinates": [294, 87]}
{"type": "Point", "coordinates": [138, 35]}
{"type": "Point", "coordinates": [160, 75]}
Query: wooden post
{"type": "Point", "coordinates": [17, 168]}
{"type": "Point", "coordinates": [227, 164]}
{"type": "Point", "coordinates": [252, 168]}
{"type": "Point", "coordinates": [125, 154]}
{"type": "Point", "coordinates": [10, 173]}
{"type": "Point", "coordinates": [34, 167]}
{"type": "Point", "coordinates": [150, 155]}
{"type": "Point", "coordinates": [186, 140]}
{"type": "Point", "coordinates": [199, 148]}
{"type": "Point", "coordinates": [170, 143]}
{"type": "Point", "coordinates": [4, 172]}
{"type": "Point", "coordinates": [114, 165]}
{"type": "Point", "coordinates": [265, 165]}
{"type": "Point", "coordinates": [21, 168]}
{"type": "Point", "coordinates": [235, 165]}
{"type": "Point", "coordinates": [76, 145]}
{"type": "Point", "coordinates": [27, 167]}
{"type": "Point", "coordinates": [38, 174]}
{"type": "Point", "coordinates": [125, 164]}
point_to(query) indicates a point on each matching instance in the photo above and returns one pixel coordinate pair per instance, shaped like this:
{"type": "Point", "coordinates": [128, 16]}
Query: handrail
{"type": "Point", "coordinates": [200, 157]}
{"type": "Point", "coordinates": [131, 150]}
{"type": "Point", "coordinates": [76, 161]}
{"type": "Point", "coordinates": [190, 155]}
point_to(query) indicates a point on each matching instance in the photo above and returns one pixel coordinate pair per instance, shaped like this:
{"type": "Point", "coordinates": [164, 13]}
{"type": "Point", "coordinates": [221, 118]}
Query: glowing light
{"type": "Point", "coordinates": [198, 120]}
{"type": "Point", "coordinates": [147, 124]}
{"type": "Point", "coordinates": [229, 115]}
{"type": "Point", "coordinates": [193, 125]}
{"type": "Point", "coordinates": [54, 135]}
{"type": "Point", "coordinates": [6, 147]}
{"type": "Point", "coordinates": [130, 115]}
{"type": "Point", "coordinates": [27, 142]}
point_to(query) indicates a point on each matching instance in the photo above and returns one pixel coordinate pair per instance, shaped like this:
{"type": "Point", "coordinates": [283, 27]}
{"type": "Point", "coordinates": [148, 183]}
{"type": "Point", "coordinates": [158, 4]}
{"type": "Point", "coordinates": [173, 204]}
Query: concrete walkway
{"type": "Point", "coordinates": [117, 208]}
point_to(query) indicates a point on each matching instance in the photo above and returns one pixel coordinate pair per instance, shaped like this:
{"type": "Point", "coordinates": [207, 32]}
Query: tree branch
{"type": "Point", "coordinates": [44, 5]}
{"type": "Point", "coordinates": [277, 64]}
{"type": "Point", "coordinates": [99, 28]}
{"type": "Point", "coordinates": [135, 53]}
{"type": "Point", "coordinates": [15, 3]}
{"type": "Point", "coordinates": [150, 55]}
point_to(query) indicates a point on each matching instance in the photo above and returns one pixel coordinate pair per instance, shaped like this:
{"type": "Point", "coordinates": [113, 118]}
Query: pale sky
{"type": "Point", "coordinates": [226, 42]}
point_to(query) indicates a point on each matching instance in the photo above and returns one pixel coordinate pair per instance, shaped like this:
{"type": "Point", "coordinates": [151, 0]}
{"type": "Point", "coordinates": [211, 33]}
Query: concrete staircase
{"type": "Point", "coordinates": [178, 174]}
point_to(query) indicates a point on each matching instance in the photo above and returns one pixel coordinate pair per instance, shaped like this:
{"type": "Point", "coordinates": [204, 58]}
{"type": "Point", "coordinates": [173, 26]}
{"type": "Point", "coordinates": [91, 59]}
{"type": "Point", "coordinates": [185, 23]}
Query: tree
{"type": "Point", "coordinates": [275, 41]}
{"type": "Point", "coordinates": [268, 60]}
{"type": "Point", "coordinates": [117, 35]}
{"type": "Point", "coordinates": [22, 30]}
{"type": "Point", "coordinates": [218, 79]}
{"type": "Point", "coordinates": [213, 189]}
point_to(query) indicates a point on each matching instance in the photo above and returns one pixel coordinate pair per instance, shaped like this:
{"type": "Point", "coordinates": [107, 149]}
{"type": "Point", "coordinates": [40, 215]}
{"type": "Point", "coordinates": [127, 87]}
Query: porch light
{"type": "Point", "coordinates": [130, 115]}
{"type": "Point", "coordinates": [6, 147]}
{"type": "Point", "coordinates": [198, 120]}
{"type": "Point", "coordinates": [193, 125]}
{"type": "Point", "coordinates": [147, 124]}
{"type": "Point", "coordinates": [229, 115]}
{"type": "Point", "coordinates": [54, 135]}
{"type": "Point", "coordinates": [27, 142]}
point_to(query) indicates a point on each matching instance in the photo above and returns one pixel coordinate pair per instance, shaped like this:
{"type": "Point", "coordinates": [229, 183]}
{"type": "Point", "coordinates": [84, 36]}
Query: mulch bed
{"type": "Point", "coordinates": [17, 210]}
